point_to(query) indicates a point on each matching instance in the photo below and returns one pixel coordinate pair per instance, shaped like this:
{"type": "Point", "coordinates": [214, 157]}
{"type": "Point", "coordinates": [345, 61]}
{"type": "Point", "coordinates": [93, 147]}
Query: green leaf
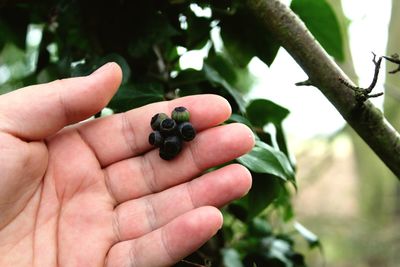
{"type": "Point", "coordinates": [262, 111]}
{"type": "Point", "coordinates": [265, 189]}
{"type": "Point", "coordinates": [239, 208]}
{"type": "Point", "coordinates": [188, 77]}
{"type": "Point", "coordinates": [223, 67]}
{"type": "Point", "coordinates": [231, 257]}
{"type": "Point", "coordinates": [259, 227]}
{"type": "Point", "coordinates": [321, 20]}
{"type": "Point", "coordinates": [198, 32]}
{"type": "Point", "coordinates": [154, 29]}
{"type": "Point", "coordinates": [283, 202]}
{"type": "Point", "coordinates": [240, 119]}
{"type": "Point", "coordinates": [266, 159]}
{"type": "Point", "coordinates": [245, 38]}
{"type": "Point", "coordinates": [213, 76]}
{"type": "Point", "coordinates": [240, 78]}
{"type": "Point", "coordinates": [131, 96]}
{"type": "Point", "coordinates": [14, 23]}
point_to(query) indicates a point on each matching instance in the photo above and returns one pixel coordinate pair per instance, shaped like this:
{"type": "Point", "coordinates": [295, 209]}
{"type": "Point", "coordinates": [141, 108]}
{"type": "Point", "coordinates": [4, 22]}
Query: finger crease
{"type": "Point", "coordinates": [129, 133]}
{"type": "Point", "coordinates": [151, 214]}
{"type": "Point", "coordinates": [189, 191]}
{"type": "Point", "coordinates": [164, 242]}
{"type": "Point", "coordinates": [86, 142]}
{"type": "Point", "coordinates": [192, 153]}
{"type": "Point", "coordinates": [132, 255]}
{"type": "Point", "coordinates": [116, 226]}
{"type": "Point", "coordinates": [148, 174]}
{"type": "Point", "coordinates": [64, 108]}
{"type": "Point", "coordinates": [107, 181]}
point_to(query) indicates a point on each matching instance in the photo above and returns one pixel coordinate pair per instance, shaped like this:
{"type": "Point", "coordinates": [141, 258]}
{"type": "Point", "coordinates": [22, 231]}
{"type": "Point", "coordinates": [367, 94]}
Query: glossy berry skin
{"type": "Point", "coordinates": [165, 156]}
{"type": "Point", "coordinates": [171, 147]}
{"type": "Point", "coordinates": [157, 119]}
{"type": "Point", "coordinates": [169, 133]}
{"type": "Point", "coordinates": [168, 127]}
{"type": "Point", "coordinates": [156, 139]}
{"type": "Point", "coordinates": [180, 114]}
{"type": "Point", "coordinates": [186, 131]}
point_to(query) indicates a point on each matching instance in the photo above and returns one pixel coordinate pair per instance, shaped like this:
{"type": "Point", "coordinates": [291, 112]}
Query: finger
{"type": "Point", "coordinates": [169, 244]}
{"type": "Point", "coordinates": [139, 176]}
{"type": "Point", "coordinates": [216, 188]}
{"type": "Point", "coordinates": [37, 111]}
{"type": "Point", "coordinates": [126, 135]}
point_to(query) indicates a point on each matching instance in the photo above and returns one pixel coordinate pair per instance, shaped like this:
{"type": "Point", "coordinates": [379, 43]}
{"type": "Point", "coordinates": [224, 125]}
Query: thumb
{"type": "Point", "coordinates": [35, 112]}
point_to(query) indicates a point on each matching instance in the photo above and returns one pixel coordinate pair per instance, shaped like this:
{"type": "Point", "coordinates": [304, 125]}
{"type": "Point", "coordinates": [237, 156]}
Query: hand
{"type": "Point", "coordinates": [95, 193]}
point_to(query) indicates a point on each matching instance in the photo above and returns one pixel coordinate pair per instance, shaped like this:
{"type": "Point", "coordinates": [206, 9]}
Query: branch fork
{"type": "Point", "coordinates": [362, 94]}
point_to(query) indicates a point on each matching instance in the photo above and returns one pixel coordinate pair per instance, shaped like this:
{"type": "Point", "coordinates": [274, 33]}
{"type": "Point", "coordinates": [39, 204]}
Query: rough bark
{"type": "Point", "coordinates": [392, 84]}
{"type": "Point", "coordinates": [324, 74]}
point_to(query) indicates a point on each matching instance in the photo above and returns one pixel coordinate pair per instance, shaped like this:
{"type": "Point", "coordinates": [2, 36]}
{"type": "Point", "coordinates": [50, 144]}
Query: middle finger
{"type": "Point", "coordinates": [147, 174]}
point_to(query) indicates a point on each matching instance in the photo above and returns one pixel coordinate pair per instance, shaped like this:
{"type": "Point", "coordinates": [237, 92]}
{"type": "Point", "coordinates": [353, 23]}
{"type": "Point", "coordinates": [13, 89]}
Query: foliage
{"type": "Point", "coordinates": [149, 39]}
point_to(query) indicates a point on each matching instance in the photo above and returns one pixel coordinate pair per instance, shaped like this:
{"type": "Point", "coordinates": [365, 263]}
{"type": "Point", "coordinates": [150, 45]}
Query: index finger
{"type": "Point", "coordinates": [38, 111]}
{"type": "Point", "coordinates": [125, 135]}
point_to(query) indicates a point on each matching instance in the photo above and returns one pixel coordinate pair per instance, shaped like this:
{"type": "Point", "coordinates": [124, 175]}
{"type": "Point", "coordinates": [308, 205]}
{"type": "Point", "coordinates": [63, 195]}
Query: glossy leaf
{"type": "Point", "coordinates": [259, 227]}
{"type": "Point", "coordinates": [223, 67]}
{"type": "Point", "coordinates": [262, 111]}
{"type": "Point", "coordinates": [321, 20]}
{"type": "Point", "coordinates": [245, 38]}
{"type": "Point", "coordinates": [215, 77]}
{"type": "Point", "coordinates": [188, 77]}
{"type": "Point", "coordinates": [131, 96]}
{"type": "Point", "coordinates": [189, 82]}
{"type": "Point", "coordinates": [240, 119]}
{"type": "Point", "coordinates": [266, 159]}
{"type": "Point", "coordinates": [265, 189]}
{"type": "Point", "coordinates": [240, 78]}
{"type": "Point", "coordinates": [198, 32]}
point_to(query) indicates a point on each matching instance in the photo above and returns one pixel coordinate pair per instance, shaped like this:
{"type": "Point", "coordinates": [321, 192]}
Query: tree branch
{"type": "Point", "coordinates": [323, 73]}
{"type": "Point", "coordinates": [394, 59]}
{"type": "Point", "coordinates": [362, 94]}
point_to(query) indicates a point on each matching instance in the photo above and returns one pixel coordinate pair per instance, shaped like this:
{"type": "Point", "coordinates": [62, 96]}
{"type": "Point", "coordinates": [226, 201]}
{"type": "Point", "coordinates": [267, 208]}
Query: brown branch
{"type": "Point", "coordinates": [362, 94]}
{"type": "Point", "coordinates": [323, 73]}
{"type": "Point", "coordinates": [394, 59]}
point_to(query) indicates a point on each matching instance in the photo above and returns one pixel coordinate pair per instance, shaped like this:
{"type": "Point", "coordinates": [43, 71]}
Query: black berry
{"type": "Point", "coordinates": [157, 119]}
{"type": "Point", "coordinates": [186, 131]}
{"type": "Point", "coordinates": [171, 147]}
{"type": "Point", "coordinates": [169, 133]}
{"type": "Point", "coordinates": [156, 139]}
{"type": "Point", "coordinates": [167, 127]}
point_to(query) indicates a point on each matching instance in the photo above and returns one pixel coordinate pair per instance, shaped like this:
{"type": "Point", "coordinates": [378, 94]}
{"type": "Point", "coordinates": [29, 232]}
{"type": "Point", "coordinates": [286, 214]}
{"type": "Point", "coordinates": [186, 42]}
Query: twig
{"type": "Point", "coordinates": [394, 59]}
{"type": "Point", "coordinates": [362, 94]}
{"type": "Point", "coordinates": [307, 82]}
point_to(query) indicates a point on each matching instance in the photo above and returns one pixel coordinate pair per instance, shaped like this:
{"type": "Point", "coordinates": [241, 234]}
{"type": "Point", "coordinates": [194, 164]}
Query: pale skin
{"type": "Point", "coordinates": [96, 193]}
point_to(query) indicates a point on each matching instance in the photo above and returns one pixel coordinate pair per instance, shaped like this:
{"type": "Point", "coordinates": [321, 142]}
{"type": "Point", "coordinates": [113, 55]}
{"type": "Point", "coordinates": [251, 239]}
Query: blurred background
{"type": "Point", "coordinates": [346, 196]}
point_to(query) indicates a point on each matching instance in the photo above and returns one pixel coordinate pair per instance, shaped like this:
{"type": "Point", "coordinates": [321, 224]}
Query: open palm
{"type": "Point", "coordinates": [95, 193]}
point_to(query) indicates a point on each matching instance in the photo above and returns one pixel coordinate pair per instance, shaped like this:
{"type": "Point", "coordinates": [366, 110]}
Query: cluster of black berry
{"type": "Point", "coordinates": [169, 133]}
